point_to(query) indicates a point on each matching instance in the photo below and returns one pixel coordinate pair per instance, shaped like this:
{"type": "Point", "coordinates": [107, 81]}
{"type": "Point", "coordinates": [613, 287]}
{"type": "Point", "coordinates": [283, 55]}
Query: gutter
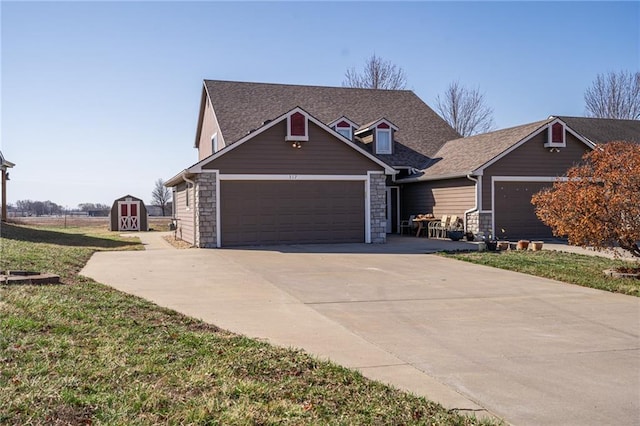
{"type": "Point", "coordinates": [193, 185]}
{"type": "Point", "coordinates": [475, 207]}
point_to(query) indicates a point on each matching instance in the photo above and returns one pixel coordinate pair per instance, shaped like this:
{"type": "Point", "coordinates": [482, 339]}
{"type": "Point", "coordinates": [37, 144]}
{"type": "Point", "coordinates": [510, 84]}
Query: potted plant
{"type": "Point", "coordinates": [536, 245]}
{"type": "Point", "coordinates": [522, 245]}
{"type": "Point", "coordinates": [455, 235]}
{"type": "Point", "coordinates": [469, 236]}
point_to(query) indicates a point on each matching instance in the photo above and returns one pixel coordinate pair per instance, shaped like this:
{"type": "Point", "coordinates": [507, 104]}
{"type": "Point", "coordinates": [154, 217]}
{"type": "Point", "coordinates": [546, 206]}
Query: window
{"type": "Point", "coordinates": [556, 136]}
{"type": "Point", "coordinates": [344, 129]}
{"type": "Point", "coordinates": [383, 139]}
{"type": "Point", "coordinates": [297, 127]}
{"type": "Point", "coordinates": [214, 143]}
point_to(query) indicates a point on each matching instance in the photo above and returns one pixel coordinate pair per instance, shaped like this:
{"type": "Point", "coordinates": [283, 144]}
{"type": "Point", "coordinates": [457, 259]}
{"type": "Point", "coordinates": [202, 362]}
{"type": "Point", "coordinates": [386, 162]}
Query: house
{"type": "Point", "coordinates": [4, 177]}
{"type": "Point", "coordinates": [301, 164]}
{"type": "Point", "coordinates": [285, 164]}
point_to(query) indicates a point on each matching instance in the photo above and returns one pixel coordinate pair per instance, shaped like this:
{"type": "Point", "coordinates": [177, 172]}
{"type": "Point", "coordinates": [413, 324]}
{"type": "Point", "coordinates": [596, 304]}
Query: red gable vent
{"type": "Point", "coordinates": [343, 124]}
{"type": "Point", "coordinates": [297, 124]}
{"type": "Point", "coordinates": [383, 126]}
{"type": "Point", "coordinates": [557, 133]}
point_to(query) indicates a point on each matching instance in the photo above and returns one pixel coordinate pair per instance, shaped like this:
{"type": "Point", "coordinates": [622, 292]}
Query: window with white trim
{"type": "Point", "coordinates": [383, 139]}
{"type": "Point", "coordinates": [344, 129]}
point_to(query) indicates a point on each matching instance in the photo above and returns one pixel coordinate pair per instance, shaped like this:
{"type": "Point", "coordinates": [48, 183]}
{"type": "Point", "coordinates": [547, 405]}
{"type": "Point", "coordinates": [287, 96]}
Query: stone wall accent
{"type": "Point", "coordinates": [205, 203]}
{"type": "Point", "coordinates": [479, 222]}
{"type": "Point", "coordinates": [378, 197]}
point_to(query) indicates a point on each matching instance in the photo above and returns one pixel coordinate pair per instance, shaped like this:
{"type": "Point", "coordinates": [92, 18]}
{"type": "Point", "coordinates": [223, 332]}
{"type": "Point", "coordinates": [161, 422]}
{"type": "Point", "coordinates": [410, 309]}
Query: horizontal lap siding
{"type": "Point", "coordinates": [453, 196]}
{"type": "Point", "coordinates": [184, 214]}
{"type": "Point", "coordinates": [268, 153]}
{"type": "Point", "coordinates": [209, 127]}
{"type": "Point", "coordinates": [533, 159]}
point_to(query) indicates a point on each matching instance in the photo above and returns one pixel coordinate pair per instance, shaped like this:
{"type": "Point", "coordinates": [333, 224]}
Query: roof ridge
{"type": "Point", "coordinates": [310, 86]}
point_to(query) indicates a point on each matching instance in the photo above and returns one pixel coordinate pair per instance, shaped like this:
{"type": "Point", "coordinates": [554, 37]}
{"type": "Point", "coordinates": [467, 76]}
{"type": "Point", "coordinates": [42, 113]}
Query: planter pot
{"type": "Point", "coordinates": [536, 245]}
{"type": "Point", "coordinates": [482, 246]}
{"type": "Point", "coordinates": [455, 235]}
{"type": "Point", "coordinates": [492, 245]}
{"type": "Point", "coordinates": [469, 236]}
{"type": "Point", "coordinates": [522, 245]}
{"type": "Point", "coordinates": [503, 245]}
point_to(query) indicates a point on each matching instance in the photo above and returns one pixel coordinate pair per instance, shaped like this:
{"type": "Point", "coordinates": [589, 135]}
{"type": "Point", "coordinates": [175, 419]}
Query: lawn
{"type": "Point", "coordinates": [586, 271]}
{"type": "Point", "coordinates": [83, 353]}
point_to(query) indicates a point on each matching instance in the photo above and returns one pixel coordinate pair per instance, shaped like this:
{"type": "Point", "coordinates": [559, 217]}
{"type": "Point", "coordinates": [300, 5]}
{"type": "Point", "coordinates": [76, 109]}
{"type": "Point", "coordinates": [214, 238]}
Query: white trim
{"type": "Point", "coordinates": [378, 149]}
{"type": "Point", "coordinates": [550, 143]}
{"type": "Point", "coordinates": [298, 138]}
{"type": "Point", "coordinates": [214, 143]}
{"type": "Point", "coordinates": [375, 124]}
{"type": "Point", "coordinates": [293, 177]}
{"type": "Point", "coordinates": [197, 168]}
{"type": "Point", "coordinates": [343, 118]}
{"type": "Point", "coordinates": [349, 129]}
{"type": "Point", "coordinates": [218, 213]}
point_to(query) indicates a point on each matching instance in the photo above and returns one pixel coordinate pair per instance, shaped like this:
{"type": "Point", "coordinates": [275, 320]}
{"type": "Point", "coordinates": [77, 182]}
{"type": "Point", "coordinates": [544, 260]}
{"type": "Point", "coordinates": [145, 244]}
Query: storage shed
{"type": "Point", "coordinates": [128, 213]}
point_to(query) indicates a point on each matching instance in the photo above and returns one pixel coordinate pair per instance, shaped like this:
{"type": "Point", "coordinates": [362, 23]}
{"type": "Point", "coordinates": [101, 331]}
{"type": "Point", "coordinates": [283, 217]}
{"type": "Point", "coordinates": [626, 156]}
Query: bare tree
{"type": "Point", "coordinates": [465, 110]}
{"type": "Point", "coordinates": [160, 196]}
{"type": "Point", "coordinates": [614, 95]}
{"type": "Point", "coordinates": [376, 74]}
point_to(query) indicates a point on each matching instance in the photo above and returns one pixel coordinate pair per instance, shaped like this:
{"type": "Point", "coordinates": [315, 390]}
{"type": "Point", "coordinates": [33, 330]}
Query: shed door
{"type": "Point", "coordinates": [128, 215]}
{"type": "Point", "coordinates": [290, 212]}
{"type": "Point", "coordinates": [514, 212]}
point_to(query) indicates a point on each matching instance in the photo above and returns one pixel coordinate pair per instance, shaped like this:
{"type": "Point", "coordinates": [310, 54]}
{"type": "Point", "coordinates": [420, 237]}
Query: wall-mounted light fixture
{"type": "Point", "coordinates": [554, 149]}
{"type": "Point", "coordinates": [296, 144]}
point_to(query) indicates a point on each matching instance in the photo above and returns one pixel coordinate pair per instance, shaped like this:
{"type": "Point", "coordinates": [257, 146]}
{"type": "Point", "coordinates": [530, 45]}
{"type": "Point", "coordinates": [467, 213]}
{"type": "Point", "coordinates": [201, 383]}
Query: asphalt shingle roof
{"type": "Point", "coordinates": [461, 156]}
{"type": "Point", "coordinates": [602, 130]}
{"type": "Point", "coordinates": [241, 107]}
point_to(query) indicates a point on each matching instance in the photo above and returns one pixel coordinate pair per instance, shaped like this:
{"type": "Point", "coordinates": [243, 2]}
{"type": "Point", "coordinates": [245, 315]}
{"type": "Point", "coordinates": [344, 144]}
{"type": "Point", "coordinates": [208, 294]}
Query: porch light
{"type": "Point", "coordinates": [296, 144]}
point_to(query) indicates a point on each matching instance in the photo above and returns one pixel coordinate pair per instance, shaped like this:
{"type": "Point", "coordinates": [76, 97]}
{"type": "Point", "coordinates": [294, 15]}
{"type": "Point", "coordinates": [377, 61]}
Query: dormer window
{"type": "Point", "coordinates": [556, 135]}
{"type": "Point", "coordinates": [383, 139]}
{"type": "Point", "coordinates": [297, 127]}
{"type": "Point", "coordinates": [344, 126]}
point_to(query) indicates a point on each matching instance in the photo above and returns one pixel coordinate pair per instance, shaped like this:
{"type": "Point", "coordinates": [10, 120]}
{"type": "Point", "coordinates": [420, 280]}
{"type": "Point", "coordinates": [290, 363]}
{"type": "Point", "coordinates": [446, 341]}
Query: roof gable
{"type": "Point", "coordinates": [196, 168]}
{"type": "Point", "coordinates": [241, 107]}
{"type": "Point", "coordinates": [602, 130]}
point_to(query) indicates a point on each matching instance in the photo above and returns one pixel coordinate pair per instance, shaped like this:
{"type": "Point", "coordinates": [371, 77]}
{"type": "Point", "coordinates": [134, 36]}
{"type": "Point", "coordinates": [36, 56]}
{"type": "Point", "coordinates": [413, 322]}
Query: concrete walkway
{"type": "Point", "coordinates": [529, 350]}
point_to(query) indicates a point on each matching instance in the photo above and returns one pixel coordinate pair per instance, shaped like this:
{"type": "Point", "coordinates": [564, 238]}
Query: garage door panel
{"type": "Point", "coordinates": [514, 212]}
{"type": "Point", "coordinates": [286, 212]}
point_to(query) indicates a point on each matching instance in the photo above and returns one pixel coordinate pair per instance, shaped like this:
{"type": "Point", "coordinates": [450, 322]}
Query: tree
{"type": "Point", "coordinates": [598, 204]}
{"type": "Point", "coordinates": [376, 74]}
{"type": "Point", "coordinates": [465, 110]}
{"type": "Point", "coordinates": [160, 196]}
{"type": "Point", "coordinates": [614, 95]}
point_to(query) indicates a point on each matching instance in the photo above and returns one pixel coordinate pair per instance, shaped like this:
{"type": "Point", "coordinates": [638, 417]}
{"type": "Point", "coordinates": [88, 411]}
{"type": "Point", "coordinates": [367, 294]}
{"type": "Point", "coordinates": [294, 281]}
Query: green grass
{"type": "Point", "coordinates": [586, 271]}
{"type": "Point", "coordinates": [81, 352]}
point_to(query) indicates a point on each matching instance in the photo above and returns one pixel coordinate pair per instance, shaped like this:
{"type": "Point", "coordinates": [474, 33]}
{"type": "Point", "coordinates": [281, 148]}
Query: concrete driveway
{"type": "Point", "coordinates": [529, 350]}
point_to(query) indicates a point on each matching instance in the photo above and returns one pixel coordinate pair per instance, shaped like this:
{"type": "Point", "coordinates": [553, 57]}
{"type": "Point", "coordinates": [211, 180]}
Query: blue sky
{"type": "Point", "coordinates": [100, 99]}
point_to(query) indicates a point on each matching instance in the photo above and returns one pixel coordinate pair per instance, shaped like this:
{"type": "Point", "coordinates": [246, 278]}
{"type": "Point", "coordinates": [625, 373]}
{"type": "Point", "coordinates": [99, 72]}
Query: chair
{"type": "Point", "coordinates": [407, 224]}
{"type": "Point", "coordinates": [454, 223]}
{"type": "Point", "coordinates": [442, 227]}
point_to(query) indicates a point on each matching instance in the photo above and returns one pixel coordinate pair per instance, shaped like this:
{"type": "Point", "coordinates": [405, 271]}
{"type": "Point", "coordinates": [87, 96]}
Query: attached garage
{"type": "Point", "coordinates": [514, 212]}
{"type": "Point", "coordinates": [290, 212]}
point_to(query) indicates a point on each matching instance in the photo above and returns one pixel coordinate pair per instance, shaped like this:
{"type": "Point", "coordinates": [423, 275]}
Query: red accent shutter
{"type": "Point", "coordinates": [343, 124]}
{"type": "Point", "coordinates": [123, 210]}
{"type": "Point", "coordinates": [134, 210]}
{"type": "Point", "coordinates": [383, 126]}
{"type": "Point", "coordinates": [298, 124]}
{"type": "Point", "coordinates": [557, 133]}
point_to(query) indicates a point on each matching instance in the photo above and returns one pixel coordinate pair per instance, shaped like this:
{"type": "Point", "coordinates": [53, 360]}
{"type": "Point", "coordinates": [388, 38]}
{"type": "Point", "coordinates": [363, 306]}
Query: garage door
{"type": "Point", "coordinates": [289, 212]}
{"type": "Point", "coordinates": [514, 212]}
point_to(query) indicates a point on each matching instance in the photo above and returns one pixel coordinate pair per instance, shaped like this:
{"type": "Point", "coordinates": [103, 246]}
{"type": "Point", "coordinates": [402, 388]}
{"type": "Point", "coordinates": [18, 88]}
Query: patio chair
{"type": "Point", "coordinates": [442, 226]}
{"type": "Point", "coordinates": [407, 224]}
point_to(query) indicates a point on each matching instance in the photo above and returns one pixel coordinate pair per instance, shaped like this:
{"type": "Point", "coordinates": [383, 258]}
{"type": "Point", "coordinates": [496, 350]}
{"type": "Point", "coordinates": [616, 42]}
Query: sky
{"type": "Point", "coordinates": [101, 99]}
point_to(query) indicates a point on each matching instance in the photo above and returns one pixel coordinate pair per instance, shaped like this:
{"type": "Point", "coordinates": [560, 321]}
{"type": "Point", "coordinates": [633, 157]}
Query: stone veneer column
{"type": "Point", "coordinates": [205, 202]}
{"type": "Point", "coordinates": [378, 197]}
{"type": "Point", "coordinates": [479, 222]}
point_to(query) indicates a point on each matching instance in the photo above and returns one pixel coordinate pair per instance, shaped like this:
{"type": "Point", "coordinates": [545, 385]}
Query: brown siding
{"type": "Point", "coordinates": [533, 159]}
{"type": "Point", "coordinates": [453, 196]}
{"type": "Point", "coordinates": [209, 127]}
{"type": "Point", "coordinates": [184, 214]}
{"type": "Point", "coordinates": [268, 153]}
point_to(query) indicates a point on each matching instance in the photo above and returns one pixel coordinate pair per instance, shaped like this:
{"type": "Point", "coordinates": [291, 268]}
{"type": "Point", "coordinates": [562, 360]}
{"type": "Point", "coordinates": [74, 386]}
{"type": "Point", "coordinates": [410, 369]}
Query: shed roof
{"type": "Point", "coordinates": [241, 107]}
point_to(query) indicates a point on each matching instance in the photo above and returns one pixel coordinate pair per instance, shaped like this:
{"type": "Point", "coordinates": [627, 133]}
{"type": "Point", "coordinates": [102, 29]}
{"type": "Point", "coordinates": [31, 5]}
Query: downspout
{"type": "Point", "coordinates": [475, 207]}
{"type": "Point", "coordinates": [193, 185]}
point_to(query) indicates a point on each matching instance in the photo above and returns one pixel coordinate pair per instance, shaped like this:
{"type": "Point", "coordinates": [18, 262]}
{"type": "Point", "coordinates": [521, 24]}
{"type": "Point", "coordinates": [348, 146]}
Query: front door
{"type": "Point", "coordinates": [393, 209]}
{"type": "Point", "coordinates": [129, 219]}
